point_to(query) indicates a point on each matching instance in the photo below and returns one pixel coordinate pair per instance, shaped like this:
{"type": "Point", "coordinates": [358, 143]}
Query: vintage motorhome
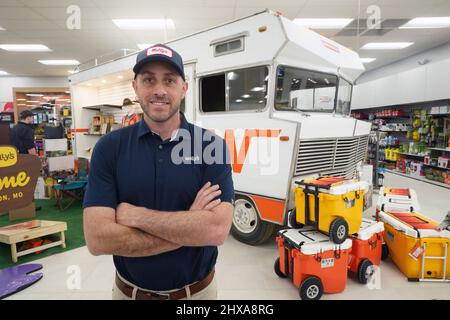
{"type": "Point", "coordinates": [278, 93]}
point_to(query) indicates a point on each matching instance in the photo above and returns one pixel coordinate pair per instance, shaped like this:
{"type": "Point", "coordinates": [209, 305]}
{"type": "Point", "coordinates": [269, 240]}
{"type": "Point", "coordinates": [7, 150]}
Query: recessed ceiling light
{"type": "Point", "coordinates": [25, 47]}
{"type": "Point", "coordinates": [59, 62]}
{"type": "Point", "coordinates": [3, 73]}
{"type": "Point", "coordinates": [120, 77]}
{"type": "Point", "coordinates": [103, 81]}
{"type": "Point", "coordinates": [323, 23]}
{"type": "Point", "coordinates": [367, 60]}
{"type": "Point", "coordinates": [144, 24]}
{"type": "Point", "coordinates": [246, 96]}
{"type": "Point", "coordinates": [427, 22]}
{"type": "Point", "coordinates": [143, 46]}
{"type": "Point", "coordinates": [386, 45]}
{"type": "Point", "coordinates": [34, 95]}
{"type": "Point", "coordinates": [238, 100]}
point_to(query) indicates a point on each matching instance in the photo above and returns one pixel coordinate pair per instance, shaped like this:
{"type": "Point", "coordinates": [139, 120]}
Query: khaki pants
{"type": "Point", "coordinates": [208, 293]}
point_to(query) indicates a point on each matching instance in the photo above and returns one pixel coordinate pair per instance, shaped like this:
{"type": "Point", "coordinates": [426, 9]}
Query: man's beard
{"type": "Point", "coordinates": [159, 120]}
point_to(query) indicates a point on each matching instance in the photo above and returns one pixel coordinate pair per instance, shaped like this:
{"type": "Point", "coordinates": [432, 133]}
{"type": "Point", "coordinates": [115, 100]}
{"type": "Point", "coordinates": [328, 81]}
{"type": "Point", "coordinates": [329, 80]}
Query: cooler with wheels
{"type": "Point", "coordinates": [332, 205]}
{"type": "Point", "coordinates": [312, 262]}
{"type": "Point", "coordinates": [366, 249]}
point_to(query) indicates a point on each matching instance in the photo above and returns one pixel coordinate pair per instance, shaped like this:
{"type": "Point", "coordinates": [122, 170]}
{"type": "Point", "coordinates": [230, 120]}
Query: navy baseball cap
{"type": "Point", "coordinates": [159, 52]}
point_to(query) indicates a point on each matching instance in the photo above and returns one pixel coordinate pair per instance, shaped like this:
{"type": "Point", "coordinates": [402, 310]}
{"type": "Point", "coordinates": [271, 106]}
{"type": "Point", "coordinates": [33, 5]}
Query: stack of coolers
{"type": "Point", "coordinates": [317, 258]}
{"type": "Point", "coordinates": [419, 250]}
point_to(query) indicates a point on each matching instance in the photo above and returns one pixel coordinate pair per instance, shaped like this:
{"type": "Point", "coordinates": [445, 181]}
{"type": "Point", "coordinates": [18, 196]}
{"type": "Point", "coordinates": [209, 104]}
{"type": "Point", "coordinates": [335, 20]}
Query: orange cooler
{"type": "Point", "coordinates": [314, 263]}
{"type": "Point", "coordinates": [366, 249]}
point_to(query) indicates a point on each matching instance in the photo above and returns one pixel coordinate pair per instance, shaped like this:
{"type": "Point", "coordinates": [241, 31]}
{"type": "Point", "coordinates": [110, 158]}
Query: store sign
{"type": "Point", "coordinates": [18, 177]}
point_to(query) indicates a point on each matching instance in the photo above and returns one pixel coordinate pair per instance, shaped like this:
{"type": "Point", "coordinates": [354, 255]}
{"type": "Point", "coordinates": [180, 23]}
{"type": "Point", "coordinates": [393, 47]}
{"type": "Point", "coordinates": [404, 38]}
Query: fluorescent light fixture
{"type": "Point", "coordinates": [427, 23]}
{"type": "Point", "coordinates": [60, 62]}
{"type": "Point", "coordinates": [245, 96]}
{"type": "Point", "coordinates": [257, 89]}
{"type": "Point", "coordinates": [367, 60]}
{"type": "Point", "coordinates": [22, 104]}
{"type": "Point", "coordinates": [25, 47]}
{"type": "Point", "coordinates": [323, 23]}
{"type": "Point", "coordinates": [72, 71]}
{"type": "Point", "coordinates": [32, 101]}
{"type": "Point", "coordinates": [238, 100]}
{"type": "Point", "coordinates": [261, 101]}
{"type": "Point", "coordinates": [103, 81]}
{"type": "Point", "coordinates": [21, 99]}
{"type": "Point", "coordinates": [2, 29]}
{"type": "Point", "coordinates": [119, 77]}
{"type": "Point", "coordinates": [312, 81]}
{"type": "Point", "coordinates": [30, 105]}
{"type": "Point", "coordinates": [89, 84]}
{"type": "Point", "coordinates": [3, 73]}
{"type": "Point", "coordinates": [386, 45]}
{"type": "Point", "coordinates": [326, 80]}
{"type": "Point", "coordinates": [144, 24]}
{"type": "Point", "coordinates": [143, 46]}
{"type": "Point", "coordinates": [34, 94]}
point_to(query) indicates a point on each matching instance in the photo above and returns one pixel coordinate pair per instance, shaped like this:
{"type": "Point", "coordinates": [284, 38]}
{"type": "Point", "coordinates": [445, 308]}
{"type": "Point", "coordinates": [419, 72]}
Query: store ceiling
{"type": "Point", "coordinates": [44, 22]}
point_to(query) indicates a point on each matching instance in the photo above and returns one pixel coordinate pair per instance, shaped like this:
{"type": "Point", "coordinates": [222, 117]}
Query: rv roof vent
{"type": "Point", "coordinates": [229, 44]}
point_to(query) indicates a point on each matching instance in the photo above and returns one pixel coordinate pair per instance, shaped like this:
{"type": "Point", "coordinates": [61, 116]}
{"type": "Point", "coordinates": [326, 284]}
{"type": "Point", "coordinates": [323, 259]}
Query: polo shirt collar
{"type": "Point", "coordinates": [144, 129]}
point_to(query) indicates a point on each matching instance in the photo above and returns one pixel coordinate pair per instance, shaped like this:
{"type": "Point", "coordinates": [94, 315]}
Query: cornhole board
{"type": "Point", "coordinates": [17, 278]}
{"type": "Point", "coordinates": [30, 230]}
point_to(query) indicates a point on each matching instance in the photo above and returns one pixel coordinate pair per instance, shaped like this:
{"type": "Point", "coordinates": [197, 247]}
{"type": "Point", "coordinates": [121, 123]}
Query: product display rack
{"type": "Point", "coordinates": [410, 140]}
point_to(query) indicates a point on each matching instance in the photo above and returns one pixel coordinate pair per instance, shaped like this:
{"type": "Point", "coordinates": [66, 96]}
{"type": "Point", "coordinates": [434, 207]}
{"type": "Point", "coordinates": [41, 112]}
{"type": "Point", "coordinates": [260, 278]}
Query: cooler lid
{"type": "Point", "coordinates": [407, 221]}
{"type": "Point", "coordinates": [339, 186]}
{"type": "Point", "coordinates": [369, 228]}
{"type": "Point", "coordinates": [312, 242]}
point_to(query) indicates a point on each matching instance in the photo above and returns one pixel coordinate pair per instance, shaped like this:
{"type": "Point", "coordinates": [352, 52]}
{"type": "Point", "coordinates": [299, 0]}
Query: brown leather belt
{"type": "Point", "coordinates": [176, 295]}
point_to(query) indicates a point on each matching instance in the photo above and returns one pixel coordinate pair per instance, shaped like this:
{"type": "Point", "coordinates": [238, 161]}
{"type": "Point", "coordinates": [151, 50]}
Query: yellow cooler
{"type": "Point", "coordinates": [419, 251]}
{"type": "Point", "coordinates": [332, 205]}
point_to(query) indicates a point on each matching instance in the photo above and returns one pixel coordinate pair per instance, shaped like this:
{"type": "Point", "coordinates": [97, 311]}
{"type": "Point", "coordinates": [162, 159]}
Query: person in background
{"type": "Point", "coordinates": [22, 135]}
{"type": "Point", "coordinates": [445, 224]}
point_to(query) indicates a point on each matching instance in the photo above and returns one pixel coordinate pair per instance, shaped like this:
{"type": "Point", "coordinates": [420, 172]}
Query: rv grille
{"type": "Point", "coordinates": [336, 157]}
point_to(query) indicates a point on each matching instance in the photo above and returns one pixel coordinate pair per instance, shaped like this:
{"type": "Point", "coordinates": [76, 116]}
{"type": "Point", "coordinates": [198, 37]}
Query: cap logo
{"type": "Point", "coordinates": [160, 50]}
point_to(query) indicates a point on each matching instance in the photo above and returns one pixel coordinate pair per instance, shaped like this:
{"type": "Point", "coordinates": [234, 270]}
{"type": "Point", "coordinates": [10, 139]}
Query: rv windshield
{"type": "Point", "coordinates": [304, 90]}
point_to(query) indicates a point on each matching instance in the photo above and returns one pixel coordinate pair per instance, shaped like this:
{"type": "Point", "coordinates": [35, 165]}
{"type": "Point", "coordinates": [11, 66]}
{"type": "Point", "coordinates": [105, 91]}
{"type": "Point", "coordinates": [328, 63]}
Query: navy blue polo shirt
{"type": "Point", "coordinates": [134, 165]}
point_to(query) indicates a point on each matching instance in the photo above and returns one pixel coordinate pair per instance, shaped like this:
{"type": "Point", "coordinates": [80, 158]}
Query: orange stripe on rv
{"type": "Point", "coordinates": [269, 209]}
{"type": "Point", "coordinates": [238, 158]}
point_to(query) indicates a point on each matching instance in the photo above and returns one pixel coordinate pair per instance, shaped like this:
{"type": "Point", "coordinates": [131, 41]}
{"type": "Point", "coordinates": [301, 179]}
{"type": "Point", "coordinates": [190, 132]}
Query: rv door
{"type": "Point", "coordinates": [187, 105]}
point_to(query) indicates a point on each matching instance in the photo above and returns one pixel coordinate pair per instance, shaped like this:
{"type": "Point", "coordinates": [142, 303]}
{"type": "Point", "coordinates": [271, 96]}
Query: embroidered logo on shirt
{"type": "Point", "coordinates": [195, 158]}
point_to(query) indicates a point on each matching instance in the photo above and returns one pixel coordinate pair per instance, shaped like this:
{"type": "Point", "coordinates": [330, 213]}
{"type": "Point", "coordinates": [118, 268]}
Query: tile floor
{"type": "Point", "coordinates": [243, 272]}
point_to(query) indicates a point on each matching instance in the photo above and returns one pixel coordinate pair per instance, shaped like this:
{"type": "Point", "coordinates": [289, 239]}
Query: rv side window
{"type": "Point", "coordinates": [231, 46]}
{"type": "Point", "coordinates": [344, 97]}
{"type": "Point", "coordinates": [305, 90]}
{"type": "Point", "coordinates": [247, 89]}
{"type": "Point", "coordinates": [213, 93]}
